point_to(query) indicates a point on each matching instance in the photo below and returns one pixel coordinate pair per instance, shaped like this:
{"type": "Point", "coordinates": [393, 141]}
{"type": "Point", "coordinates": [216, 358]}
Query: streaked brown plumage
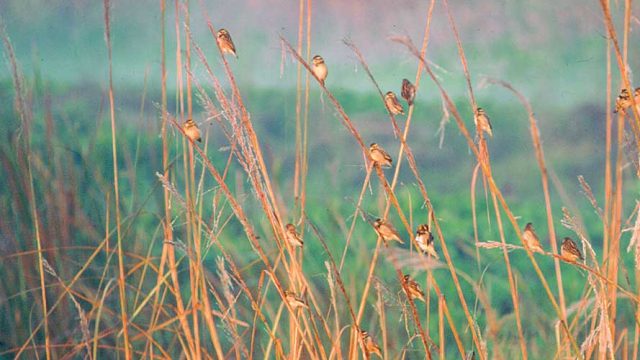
{"type": "Point", "coordinates": [386, 231]}
{"type": "Point", "coordinates": [292, 236]}
{"type": "Point", "coordinates": [225, 42]}
{"type": "Point", "coordinates": [412, 288]}
{"type": "Point", "coordinates": [369, 344]}
{"type": "Point", "coordinates": [392, 103]}
{"type": "Point", "coordinates": [379, 156]}
{"type": "Point", "coordinates": [191, 129]}
{"type": "Point", "coordinates": [482, 121]}
{"type": "Point", "coordinates": [319, 68]}
{"type": "Point", "coordinates": [408, 91]}
{"type": "Point", "coordinates": [623, 101]}
{"type": "Point", "coordinates": [294, 301]}
{"type": "Point", "coordinates": [569, 250]}
{"type": "Point", "coordinates": [424, 239]}
{"type": "Point", "coordinates": [531, 238]}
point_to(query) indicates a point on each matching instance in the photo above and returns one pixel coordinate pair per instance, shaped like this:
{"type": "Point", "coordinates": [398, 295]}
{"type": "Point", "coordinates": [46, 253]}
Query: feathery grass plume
{"type": "Point", "coordinates": [411, 260]}
{"type": "Point", "coordinates": [389, 297]}
{"type": "Point", "coordinates": [634, 242]}
{"type": "Point", "coordinates": [601, 333]}
{"type": "Point", "coordinates": [586, 190]}
{"type": "Point", "coordinates": [171, 188]}
{"type": "Point", "coordinates": [84, 323]}
{"type": "Point", "coordinates": [571, 223]}
{"type": "Point", "coordinates": [444, 120]}
{"type": "Point", "coordinates": [632, 151]}
{"type": "Point", "coordinates": [498, 245]}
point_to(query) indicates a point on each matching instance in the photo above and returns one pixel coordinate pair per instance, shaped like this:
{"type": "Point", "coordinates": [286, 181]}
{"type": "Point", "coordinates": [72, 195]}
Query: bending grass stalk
{"type": "Point", "coordinates": [482, 145]}
{"type": "Point", "coordinates": [347, 122]}
{"type": "Point", "coordinates": [492, 184]}
{"type": "Point", "coordinates": [355, 215]}
{"type": "Point", "coordinates": [622, 65]}
{"type": "Point", "coordinates": [274, 216]}
{"type": "Point", "coordinates": [247, 227]}
{"type": "Point", "coordinates": [537, 144]}
{"type": "Point", "coordinates": [393, 200]}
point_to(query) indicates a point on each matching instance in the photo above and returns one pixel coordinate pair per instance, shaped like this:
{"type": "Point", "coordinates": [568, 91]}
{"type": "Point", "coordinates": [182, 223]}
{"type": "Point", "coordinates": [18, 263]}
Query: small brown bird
{"type": "Point", "coordinates": [191, 129]}
{"type": "Point", "coordinates": [369, 344]}
{"type": "Point", "coordinates": [412, 288]}
{"type": "Point", "coordinates": [482, 121]}
{"type": "Point", "coordinates": [623, 101]}
{"type": "Point", "coordinates": [292, 236]}
{"type": "Point", "coordinates": [294, 301]}
{"type": "Point", "coordinates": [408, 91]}
{"type": "Point", "coordinates": [393, 104]}
{"type": "Point", "coordinates": [424, 238]}
{"type": "Point", "coordinates": [386, 231]}
{"type": "Point", "coordinates": [225, 42]}
{"type": "Point", "coordinates": [319, 68]}
{"type": "Point", "coordinates": [531, 238]}
{"type": "Point", "coordinates": [570, 251]}
{"type": "Point", "coordinates": [379, 156]}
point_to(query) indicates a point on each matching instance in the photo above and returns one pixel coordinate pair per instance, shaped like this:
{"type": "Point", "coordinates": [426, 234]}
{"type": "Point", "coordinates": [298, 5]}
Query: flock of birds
{"type": "Point", "coordinates": [386, 231]}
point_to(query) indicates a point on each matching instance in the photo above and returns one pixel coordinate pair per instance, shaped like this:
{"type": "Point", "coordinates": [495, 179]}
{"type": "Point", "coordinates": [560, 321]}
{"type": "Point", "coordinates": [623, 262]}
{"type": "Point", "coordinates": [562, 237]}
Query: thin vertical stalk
{"type": "Point", "coordinates": [512, 283]}
{"type": "Point", "coordinates": [305, 131]}
{"type": "Point", "coordinates": [297, 168]}
{"type": "Point", "coordinates": [121, 271]}
{"type": "Point", "coordinates": [189, 183]}
{"type": "Point", "coordinates": [43, 289]}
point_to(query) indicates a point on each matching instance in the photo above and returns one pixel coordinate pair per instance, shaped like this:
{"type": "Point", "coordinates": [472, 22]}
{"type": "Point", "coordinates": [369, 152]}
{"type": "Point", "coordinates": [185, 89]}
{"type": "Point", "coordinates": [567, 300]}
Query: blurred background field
{"type": "Point", "coordinates": [555, 53]}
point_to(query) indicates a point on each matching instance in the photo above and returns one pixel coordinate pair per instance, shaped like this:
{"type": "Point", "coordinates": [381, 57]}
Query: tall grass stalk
{"type": "Point", "coordinates": [116, 195]}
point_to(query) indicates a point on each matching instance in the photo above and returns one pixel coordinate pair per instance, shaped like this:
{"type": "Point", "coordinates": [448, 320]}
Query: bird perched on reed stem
{"type": "Point", "coordinates": [482, 121]}
{"type": "Point", "coordinates": [386, 231]}
{"type": "Point", "coordinates": [191, 130]}
{"type": "Point", "coordinates": [393, 104]}
{"type": "Point", "coordinates": [569, 250]}
{"type": "Point", "coordinates": [408, 91]}
{"type": "Point", "coordinates": [379, 156]}
{"type": "Point", "coordinates": [225, 42]}
{"type": "Point", "coordinates": [623, 101]}
{"type": "Point", "coordinates": [369, 345]}
{"type": "Point", "coordinates": [412, 288]}
{"type": "Point", "coordinates": [424, 239]}
{"type": "Point", "coordinates": [294, 301]}
{"type": "Point", "coordinates": [292, 236]}
{"type": "Point", "coordinates": [319, 68]}
{"type": "Point", "coordinates": [531, 238]}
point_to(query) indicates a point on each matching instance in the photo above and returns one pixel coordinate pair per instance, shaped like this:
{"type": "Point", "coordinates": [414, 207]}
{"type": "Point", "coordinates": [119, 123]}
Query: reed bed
{"type": "Point", "coordinates": [200, 265]}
